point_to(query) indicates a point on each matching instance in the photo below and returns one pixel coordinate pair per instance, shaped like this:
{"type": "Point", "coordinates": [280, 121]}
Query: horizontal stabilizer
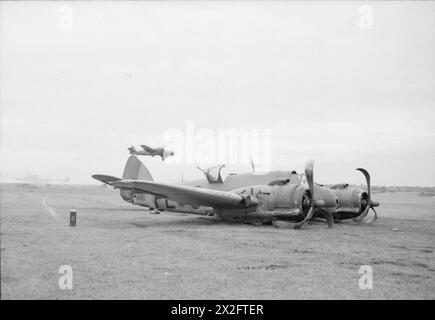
{"type": "Point", "coordinates": [105, 178]}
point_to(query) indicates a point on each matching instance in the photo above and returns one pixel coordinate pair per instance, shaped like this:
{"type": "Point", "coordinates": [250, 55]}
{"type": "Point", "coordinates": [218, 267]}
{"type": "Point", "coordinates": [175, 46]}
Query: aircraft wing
{"type": "Point", "coordinates": [187, 195]}
{"type": "Point", "coordinates": [148, 149]}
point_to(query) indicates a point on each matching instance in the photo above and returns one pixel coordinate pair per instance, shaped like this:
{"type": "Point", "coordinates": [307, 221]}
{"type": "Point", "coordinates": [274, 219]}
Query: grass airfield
{"type": "Point", "coordinates": [120, 251]}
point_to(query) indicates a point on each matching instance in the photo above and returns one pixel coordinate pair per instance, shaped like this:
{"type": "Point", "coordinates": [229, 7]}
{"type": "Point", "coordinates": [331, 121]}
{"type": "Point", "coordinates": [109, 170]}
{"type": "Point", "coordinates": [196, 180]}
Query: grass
{"type": "Point", "coordinates": [118, 250]}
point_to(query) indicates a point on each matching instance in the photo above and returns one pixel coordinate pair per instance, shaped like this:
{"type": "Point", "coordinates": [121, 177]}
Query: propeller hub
{"type": "Point", "coordinates": [319, 203]}
{"type": "Point", "coordinates": [374, 204]}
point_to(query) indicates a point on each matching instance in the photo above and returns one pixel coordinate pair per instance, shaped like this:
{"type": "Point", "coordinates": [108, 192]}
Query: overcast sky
{"type": "Point", "coordinates": [74, 96]}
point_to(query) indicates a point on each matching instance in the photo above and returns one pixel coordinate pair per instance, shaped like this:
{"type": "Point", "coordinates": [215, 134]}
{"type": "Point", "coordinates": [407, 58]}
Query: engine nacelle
{"type": "Point", "coordinates": [286, 198]}
{"type": "Point", "coordinates": [351, 201]}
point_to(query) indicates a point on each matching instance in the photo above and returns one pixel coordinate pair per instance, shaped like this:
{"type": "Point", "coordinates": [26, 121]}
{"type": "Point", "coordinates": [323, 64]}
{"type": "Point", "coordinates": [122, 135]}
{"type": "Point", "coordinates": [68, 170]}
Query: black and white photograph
{"type": "Point", "coordinates": [217, 150]}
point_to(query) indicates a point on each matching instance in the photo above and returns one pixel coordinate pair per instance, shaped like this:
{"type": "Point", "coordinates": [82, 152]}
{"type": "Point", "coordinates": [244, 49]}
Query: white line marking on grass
{"type": "Point", "coordinates": [49, 209]}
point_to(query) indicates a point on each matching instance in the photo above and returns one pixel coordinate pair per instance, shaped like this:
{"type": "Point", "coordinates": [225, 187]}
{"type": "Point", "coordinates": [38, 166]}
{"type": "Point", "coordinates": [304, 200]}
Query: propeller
{"type": "Point", "coordinates": [210, 177]}
{"type": "Point", "coordinates": [252, 165]}
{"type": "Point", "coordinates": [313, 203]}
{"type": "Point", "coordinates": [370, 204]}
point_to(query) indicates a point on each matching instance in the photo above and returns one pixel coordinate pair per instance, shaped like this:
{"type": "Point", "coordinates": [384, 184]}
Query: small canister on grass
{"type": "Point", "coordinates": [72, 217]}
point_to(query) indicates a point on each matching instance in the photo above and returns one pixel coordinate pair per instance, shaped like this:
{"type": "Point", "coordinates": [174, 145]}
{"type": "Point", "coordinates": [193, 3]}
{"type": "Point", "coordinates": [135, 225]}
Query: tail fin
{"type": "Point", "coordinates": [134, 169]}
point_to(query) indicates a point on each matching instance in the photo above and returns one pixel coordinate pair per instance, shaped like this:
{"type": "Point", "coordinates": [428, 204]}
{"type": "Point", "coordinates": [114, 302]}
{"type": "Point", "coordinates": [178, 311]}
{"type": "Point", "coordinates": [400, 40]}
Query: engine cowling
{"type": "Point", "coordinates": [355, 203]}
{"type": "Point", "coordinates": [351, 202]}
{"type": "Point", "coordinates": [289, 199]}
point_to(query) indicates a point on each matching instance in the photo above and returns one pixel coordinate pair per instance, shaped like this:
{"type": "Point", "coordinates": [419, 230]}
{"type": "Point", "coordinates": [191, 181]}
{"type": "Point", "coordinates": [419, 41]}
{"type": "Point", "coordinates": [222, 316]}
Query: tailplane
{"type": "Point", "coordinates": [135, 170]}
{"type": "Point", "coordinates": [105, 178]}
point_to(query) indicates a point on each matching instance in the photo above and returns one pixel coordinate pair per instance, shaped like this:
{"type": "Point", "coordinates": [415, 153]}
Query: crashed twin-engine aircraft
{"type": "Point", "coordinates": [279, 198]}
